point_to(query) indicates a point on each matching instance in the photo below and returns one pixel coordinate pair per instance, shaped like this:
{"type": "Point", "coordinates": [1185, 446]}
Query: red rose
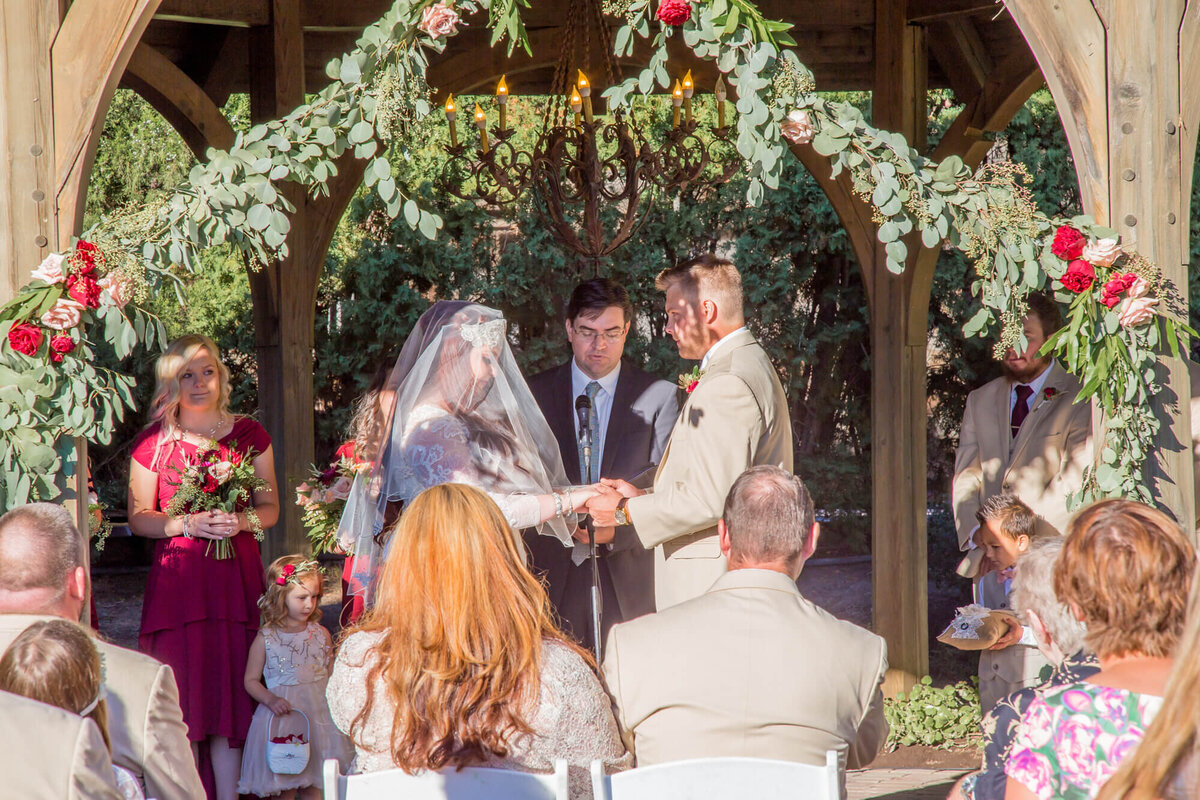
{"type": "Point", "coordinates": [60, 345]}
{"type": "Point", "coordinates": [87, 257]}
{"type": "Point", "coordinates": [210, 484]}
{"type": "Point", "coordinates": [84, 290]}
{"type": "Point", "coordinates": [25, 338]}
{"type": "Point", "coordinates": [1079, 277]}
{"type": "Point", "coordinates": [674, 12]}
{"type": "Point", "coordinates": [1068, 243]}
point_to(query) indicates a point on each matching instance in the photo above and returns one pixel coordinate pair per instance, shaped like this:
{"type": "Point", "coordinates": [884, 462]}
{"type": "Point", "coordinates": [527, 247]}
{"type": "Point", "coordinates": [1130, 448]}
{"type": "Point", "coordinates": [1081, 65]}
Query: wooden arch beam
{"type": "Point", "coordinates": [88, 57]}
{"type": "Point", "coordinates": [181, 102]}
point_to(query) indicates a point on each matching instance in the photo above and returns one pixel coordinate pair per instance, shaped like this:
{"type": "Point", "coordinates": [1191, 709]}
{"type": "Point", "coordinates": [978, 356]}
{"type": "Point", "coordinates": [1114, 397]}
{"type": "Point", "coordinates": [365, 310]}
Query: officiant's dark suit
{"type": "Point", "coordinates": [641, 415]}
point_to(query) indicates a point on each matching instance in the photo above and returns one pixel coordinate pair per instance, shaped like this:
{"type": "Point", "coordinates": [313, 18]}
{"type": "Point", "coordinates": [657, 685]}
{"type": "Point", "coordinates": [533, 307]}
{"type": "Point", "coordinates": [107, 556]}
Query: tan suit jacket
{"type": "Point", "coordinates": [751, 668]}
{"type": "Point", "coordinates": [145, 724]}
{"type": "Point", "coordinates": [736, 418]}
{"type": "Point", "coordinates": [1041, 466]}
{"type": "Point", "coordinates": [47, 753]}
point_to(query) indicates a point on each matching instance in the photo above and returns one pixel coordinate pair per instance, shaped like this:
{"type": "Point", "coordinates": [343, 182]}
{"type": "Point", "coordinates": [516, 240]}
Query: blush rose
{"type": "Point", "coordinates": [1102, 252]}
{"type": "Point", "coordinates": [798, 128]}
{"type": "Point", "coordinates": [66, 313]}
{"type": "Point", "coordinates": [439, 19]}
{"type": "Point", "coordinates": [50, 271]}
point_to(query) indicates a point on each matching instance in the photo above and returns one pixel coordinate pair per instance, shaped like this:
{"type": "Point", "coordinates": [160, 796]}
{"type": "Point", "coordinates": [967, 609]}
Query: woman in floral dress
{"type": "Point", "coordinates": [1126, 570]}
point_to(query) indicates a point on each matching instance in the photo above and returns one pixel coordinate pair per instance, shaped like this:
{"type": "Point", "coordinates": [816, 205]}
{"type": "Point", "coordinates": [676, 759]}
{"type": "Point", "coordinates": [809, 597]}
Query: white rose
{"type": "Point", "coordinates": [51, 270]}
{"type": "Point", "coordinates": [1101, 252]}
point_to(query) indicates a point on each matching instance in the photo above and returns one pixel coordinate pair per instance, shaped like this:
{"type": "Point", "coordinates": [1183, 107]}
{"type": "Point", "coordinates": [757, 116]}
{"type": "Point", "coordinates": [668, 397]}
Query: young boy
{"type": "Point", "coordinates": [1007, 527]}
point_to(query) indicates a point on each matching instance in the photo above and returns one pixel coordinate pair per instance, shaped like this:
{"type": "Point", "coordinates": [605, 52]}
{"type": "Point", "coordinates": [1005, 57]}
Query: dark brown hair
{"type": "Point", "coordinates": [590, 298]}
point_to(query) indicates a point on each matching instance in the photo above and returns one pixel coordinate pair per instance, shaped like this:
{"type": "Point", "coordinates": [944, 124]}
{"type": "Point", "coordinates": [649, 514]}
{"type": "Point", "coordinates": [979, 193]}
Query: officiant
{"type": "Point", "coordinates": [631, 414]}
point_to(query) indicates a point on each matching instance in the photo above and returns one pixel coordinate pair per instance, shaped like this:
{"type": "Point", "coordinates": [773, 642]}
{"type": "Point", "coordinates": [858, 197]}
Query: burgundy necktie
{"type": "Point", "coordinates": [1021, 409]}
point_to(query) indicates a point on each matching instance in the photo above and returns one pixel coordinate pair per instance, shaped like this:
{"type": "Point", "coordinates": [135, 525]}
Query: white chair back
{"type": "Point", "coordinates": [470, 783]}
{"type": "Point", "coordinates": [721, 779]}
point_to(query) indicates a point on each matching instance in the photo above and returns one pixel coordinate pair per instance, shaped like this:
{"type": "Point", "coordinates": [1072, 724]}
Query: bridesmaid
{"type": "Point", "coordinates": [200, 614]}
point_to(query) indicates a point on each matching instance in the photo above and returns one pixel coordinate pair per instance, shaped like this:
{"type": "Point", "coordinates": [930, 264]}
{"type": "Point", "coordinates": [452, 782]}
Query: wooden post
{"type": "Point", "coordinates": [1114, 70]}
{"type": "Point", "coordinates": [284, 293]}
{"type": "Point", "coordinates": [899, 322]}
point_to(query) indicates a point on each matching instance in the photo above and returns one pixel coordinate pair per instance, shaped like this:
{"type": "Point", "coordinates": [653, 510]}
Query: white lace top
{"type": "Point", "coordinates": [437, 450]}
{"type": "Point", "coordinates": [295, 658]}
{"type": "Point", "coordinates": [573, 720]}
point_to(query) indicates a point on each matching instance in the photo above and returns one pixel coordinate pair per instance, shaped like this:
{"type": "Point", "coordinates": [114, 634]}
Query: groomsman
{"type": "Point", "coordinates": [631, 418]}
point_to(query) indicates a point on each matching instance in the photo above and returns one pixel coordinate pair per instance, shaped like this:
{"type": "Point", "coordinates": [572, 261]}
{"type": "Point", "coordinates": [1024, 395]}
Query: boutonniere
{"type": "Point", "coordinates": [1049, 392]}
{"type": "Point", "coordinates": [688, 380]}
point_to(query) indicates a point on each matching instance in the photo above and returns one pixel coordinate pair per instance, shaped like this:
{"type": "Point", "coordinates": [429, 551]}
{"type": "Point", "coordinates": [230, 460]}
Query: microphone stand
{"type": "Point", "coordinates": [585, 439]}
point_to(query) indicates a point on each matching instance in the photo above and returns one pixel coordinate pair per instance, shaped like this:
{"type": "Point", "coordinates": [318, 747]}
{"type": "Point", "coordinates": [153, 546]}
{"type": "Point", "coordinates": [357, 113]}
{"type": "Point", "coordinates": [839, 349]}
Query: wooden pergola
{"type": "Point", "coordinates": [1125, 76]}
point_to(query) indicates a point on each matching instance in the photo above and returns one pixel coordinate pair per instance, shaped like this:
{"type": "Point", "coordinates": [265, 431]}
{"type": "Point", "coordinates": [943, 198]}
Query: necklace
{"type": "Point", "coordinates": [212, 435]}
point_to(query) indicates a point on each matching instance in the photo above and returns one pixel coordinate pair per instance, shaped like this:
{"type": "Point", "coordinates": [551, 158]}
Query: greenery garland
{"type": "Point", "coordinates": [379, 88]}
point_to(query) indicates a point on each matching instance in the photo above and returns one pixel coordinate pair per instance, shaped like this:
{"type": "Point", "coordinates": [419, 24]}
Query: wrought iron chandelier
{"type": "Point", "coordinates": [589, 177]}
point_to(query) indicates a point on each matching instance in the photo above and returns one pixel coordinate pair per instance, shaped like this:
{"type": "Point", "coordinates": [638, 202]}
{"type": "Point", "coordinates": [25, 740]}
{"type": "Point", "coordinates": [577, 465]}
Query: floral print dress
{"type": "Point", "coordinates": [1073, 738]}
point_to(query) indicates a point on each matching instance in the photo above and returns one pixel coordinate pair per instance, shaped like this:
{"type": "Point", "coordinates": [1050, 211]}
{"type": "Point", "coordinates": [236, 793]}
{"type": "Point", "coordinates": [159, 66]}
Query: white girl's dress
{"type": "Point", "coordinates": [297, 669]}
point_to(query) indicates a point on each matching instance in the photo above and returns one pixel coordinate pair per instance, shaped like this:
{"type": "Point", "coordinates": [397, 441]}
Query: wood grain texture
{"type": "Point", "coordinates": [183, 104]}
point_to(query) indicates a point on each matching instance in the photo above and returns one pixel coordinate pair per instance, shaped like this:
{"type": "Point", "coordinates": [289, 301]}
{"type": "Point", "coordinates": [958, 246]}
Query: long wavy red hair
{"type": "Point", "coordinates": [461, 626]}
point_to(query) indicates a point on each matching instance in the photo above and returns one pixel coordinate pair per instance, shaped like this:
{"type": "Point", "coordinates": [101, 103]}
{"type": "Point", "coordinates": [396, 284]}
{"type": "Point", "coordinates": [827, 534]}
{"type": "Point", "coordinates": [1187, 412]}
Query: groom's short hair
{"type": "Point", "coordinates": [769, 516]}
{"type": "Point", "coordinates": [707, 277]}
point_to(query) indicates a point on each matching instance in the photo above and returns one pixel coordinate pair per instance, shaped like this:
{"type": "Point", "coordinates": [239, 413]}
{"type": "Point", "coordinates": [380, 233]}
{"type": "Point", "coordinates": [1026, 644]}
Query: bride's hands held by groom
{"type": "Point", "coordinates": [602, 506]}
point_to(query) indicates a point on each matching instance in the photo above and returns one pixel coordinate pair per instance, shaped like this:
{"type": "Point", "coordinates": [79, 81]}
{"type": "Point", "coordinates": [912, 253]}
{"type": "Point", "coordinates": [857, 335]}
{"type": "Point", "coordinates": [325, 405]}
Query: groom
{"type": "Point", "coordinates": [735, 417]}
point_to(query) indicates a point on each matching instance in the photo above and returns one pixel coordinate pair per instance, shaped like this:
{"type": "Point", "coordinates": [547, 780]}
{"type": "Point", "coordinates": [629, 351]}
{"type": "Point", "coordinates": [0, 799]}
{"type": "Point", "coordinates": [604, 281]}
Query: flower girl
{"type": "Point", "coordinates": [292, 652]}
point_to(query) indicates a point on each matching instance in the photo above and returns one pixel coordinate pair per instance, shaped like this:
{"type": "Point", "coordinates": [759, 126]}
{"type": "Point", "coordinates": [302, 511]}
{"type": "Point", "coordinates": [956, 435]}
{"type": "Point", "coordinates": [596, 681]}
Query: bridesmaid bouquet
{"type": "Point", "coordinates": [323, 497]}
{"type": "Point", "coordinates": [219, 478]}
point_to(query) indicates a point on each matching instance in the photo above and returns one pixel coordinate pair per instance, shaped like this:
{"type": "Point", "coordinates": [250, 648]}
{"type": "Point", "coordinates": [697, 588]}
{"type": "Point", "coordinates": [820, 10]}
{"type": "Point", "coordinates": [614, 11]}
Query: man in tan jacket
{"type": "Point", "coordinates": [42, 576]}
{"type": "Point", "coordinates": [751, 668]}
{"type": "Point", "coordinates": [735, 417]}
{"type": "Point", "coordinates": [50, 754]}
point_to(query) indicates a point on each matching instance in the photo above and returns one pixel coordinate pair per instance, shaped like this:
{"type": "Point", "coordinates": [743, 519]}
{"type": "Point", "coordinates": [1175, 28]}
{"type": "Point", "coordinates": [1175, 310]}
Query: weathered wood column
{"type": "Point", "coordinates": [1125, 78]}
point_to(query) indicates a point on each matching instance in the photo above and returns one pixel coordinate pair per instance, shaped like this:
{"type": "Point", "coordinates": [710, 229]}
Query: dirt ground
{"type": "Point", "coordinates": [843, 589]}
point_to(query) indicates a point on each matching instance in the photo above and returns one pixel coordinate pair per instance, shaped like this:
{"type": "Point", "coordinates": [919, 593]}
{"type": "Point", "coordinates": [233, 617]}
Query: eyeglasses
{"type": "Point", "coordinates": [588, 335]}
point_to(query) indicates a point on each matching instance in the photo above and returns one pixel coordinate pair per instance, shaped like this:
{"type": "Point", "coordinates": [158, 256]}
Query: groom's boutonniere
{"type": "Point", "coordinates": [688, 380]}
{"type": "Point", "coordinates": [1049, 392]}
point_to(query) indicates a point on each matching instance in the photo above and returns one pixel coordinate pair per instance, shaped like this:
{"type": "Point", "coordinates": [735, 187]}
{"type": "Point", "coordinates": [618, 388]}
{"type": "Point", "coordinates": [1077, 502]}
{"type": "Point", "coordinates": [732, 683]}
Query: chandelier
{"type": "Point", "coordinates": [588, 176]}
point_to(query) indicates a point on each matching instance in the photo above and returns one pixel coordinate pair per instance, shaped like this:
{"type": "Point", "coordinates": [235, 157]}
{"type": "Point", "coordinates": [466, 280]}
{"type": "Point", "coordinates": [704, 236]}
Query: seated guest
{"type": "Point", "coordinates": [1125, 571]}
{"type": "Point", "coordinates": [459, 663]}
{"type": "Point", "coordinates": [751, 668]}
{"type": "Point", "coordinates": [55, 662]}
{"type": "Point", "coordinates": [1167, 763]}
{"type": "Point", "coordinates": [1059, 637]}
{"type": "Point", "coordinates": [65, 760]}
{"type": "Point", "coordinates": [42, 577]}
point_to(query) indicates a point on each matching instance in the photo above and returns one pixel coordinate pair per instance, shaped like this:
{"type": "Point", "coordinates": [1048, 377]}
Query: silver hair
{"type": "Point", "coordinates": [39, 547]}
{"type": "Point", "coordinates": [1033, 590]}
{"type": "Point", "coordinates": [769, 516]}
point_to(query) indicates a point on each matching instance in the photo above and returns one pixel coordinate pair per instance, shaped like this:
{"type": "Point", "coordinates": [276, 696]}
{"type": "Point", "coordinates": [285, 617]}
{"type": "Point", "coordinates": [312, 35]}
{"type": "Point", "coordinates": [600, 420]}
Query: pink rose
{"type": "Point", "coordinates": [798, 127]}
{"type": "Point", "coordinates": [439, 19]}
{"type": "Point", "coordinates": [1136, 311]}
{"type": "Point", "coordinates": [64, 315]}
{"type": "Point", "coordinates": [51, 270]}
{"type": "Point", "coordinates": [115, 291]}
{"type": "Point", "coordinates": [1102, 252]}
{"type": "Point", "coordinates": [341, 489]}
{"type": "Point", "coordinates": [221, 471]}
{"type": "Point", "coordinates": [1136, 285]}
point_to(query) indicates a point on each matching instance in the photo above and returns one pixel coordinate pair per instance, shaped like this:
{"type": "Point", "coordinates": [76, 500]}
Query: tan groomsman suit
{"type": "Point", "coordinates": [751, 668]}
{"type": "Point", "coordinates": [145, 725]}
{"type": "Point", "coordinates": [1041, 466]}
{"type": "Point", "coordinates": [736, 418]}
{"type": "Point", "coordinates": [47, 753]}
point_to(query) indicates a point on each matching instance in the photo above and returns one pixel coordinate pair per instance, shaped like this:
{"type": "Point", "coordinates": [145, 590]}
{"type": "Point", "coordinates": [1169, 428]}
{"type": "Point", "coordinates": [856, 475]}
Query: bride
{"type": "Point", "coordinates": [460, 413]}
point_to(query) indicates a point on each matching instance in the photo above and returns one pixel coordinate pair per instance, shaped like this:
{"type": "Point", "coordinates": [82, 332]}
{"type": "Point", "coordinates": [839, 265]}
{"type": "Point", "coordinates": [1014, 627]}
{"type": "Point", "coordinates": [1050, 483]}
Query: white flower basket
{"type": "Point", "coordinates": [287, 758]}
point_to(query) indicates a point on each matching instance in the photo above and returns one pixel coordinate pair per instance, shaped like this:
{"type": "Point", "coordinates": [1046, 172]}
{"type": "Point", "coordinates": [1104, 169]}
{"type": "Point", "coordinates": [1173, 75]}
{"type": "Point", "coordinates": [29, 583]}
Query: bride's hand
{"type": "Point", "coordinates": [579, 496]}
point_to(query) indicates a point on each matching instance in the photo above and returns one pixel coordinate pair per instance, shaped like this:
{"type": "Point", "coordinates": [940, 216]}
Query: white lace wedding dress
{"type": "Point", "coordinates": [573, 719]}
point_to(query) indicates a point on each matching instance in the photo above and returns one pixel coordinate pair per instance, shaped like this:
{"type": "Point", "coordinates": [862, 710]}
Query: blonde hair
{"type": "Point", "coordinates": [273, 603]}
{"type": "Point", "coordinates": [1174, 735]}
{"type": "Point", "coordinates": [56, 662]}
{"type": "Point", "coordinates": [1128, 568]}
{"type": "Point", "coordinates": [461, 625]}
{"type": "Point", "coordinates": [164, 406]}
{"type": "Point", "coordinates": [1012, 517]}
{"type": "Point", "coordinates": [707, 277]}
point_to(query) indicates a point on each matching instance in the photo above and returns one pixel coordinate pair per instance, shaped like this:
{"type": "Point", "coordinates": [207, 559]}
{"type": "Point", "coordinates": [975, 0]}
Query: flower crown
{"type": "Point", "coordinates": [291, 573]}
{"type": "Point", "coordinates": [484, 334]}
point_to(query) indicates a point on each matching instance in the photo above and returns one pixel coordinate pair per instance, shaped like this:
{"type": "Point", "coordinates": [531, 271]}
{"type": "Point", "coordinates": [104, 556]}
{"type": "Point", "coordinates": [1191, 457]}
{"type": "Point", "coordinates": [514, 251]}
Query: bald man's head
{"type": "Point", "coordinates": [41, 560]}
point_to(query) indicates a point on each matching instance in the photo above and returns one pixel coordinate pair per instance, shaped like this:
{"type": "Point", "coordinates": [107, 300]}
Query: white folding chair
{"type": "Point", "coordinates": [470, 783]}
{"type": "Point", "coordinates": [721, 779]}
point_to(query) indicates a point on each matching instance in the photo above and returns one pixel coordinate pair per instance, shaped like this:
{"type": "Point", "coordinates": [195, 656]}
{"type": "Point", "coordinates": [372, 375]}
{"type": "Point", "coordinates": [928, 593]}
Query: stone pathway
{"type": "Point", "coordinates": [900, 784]}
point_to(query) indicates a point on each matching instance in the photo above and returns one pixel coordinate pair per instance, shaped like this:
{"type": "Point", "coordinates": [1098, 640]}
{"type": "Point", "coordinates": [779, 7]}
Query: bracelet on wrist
{"type": "Point", "coordinates": [185, 526]}
{"type": "Point", "coordinates": [558, 504]}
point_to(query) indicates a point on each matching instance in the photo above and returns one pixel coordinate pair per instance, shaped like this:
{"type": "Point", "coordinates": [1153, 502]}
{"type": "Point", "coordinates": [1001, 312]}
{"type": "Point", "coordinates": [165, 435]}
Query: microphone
{"type": "Point", "coordinates": [583, 411]}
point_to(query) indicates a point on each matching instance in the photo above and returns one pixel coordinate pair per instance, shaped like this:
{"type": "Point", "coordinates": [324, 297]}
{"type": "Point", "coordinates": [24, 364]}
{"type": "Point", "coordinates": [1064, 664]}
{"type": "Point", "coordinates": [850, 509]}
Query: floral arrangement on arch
{"type": "Point", "coordinates": [323, 497]}
{"type": "Point", "coordinates": [1116, 327]}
